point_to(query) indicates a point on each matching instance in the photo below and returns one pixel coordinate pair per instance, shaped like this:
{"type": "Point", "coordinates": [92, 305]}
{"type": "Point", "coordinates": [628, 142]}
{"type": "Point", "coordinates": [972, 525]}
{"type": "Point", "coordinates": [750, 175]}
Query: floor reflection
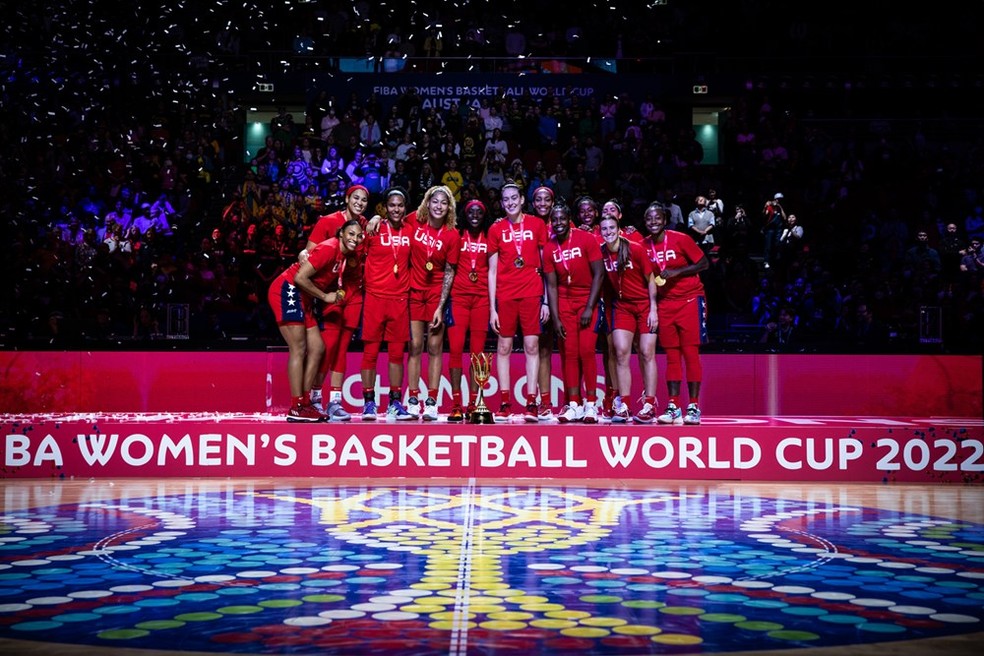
{"type": "Point", "coordinates": [437, 567]}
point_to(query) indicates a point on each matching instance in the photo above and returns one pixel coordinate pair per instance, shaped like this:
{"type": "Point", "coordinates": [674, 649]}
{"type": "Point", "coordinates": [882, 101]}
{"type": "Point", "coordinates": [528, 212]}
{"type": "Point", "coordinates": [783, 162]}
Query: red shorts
{"type": "Point", "coordinates": [385, 319]}
{"type": "Point", "coordinates": [290, 304]}
{"type": "Point", "coordinates": [347, 314]}
{"type": "Point", "coordinates": [423, 304]}
{"type": "Point", "coordinates": [682, 323]}
{"type": "Point", "coordinates": [521, 312]}
{"type": "Point", "coordinates": [569, 310]}
{"type": "Point", "coordinates": [630, 316]}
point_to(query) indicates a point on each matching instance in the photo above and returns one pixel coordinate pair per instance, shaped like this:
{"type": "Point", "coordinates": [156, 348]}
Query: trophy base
{"type": "Point", "coordinates": [481, 417]}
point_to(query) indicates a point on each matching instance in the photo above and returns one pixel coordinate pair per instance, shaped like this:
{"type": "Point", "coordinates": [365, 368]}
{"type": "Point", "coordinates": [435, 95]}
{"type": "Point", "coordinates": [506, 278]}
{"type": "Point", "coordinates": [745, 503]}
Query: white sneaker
{"type": "Point", "coordinates": [413, 407]}
{"type": "Point", "coordinates": [570, 413]}
{"type": "Point", "coordinates": [620, 411]}
{"type": "Point", "coordinates": [430, 410]}
{"type": "Point", "coordinates": [316, 398]}
{"type": "Point", "coordinates": [335, 412]}
{"type": "Point", "coordinates": [646, 414]}
{"type": "Point", "coordinates": [692, 418]}
{"type": "Point", "coordinates": [590, 413]}
{"type": "Point", "coordinates": [672, 415]}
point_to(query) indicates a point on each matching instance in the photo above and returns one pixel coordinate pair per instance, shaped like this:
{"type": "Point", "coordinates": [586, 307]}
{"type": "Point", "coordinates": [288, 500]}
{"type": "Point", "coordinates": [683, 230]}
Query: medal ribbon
{"type": "Point", "coordinates": [431, 244]}
{"type": "Point", "coordinates": [567, 268]}
{"type": "Point", "coordinates": [393, 246]}
{"type": "Point", "coordinates": [519, 241]}
{"type": "Point", "coordinates": [472, 251]}
{"type": "Point", "coordinates": [652, 251]}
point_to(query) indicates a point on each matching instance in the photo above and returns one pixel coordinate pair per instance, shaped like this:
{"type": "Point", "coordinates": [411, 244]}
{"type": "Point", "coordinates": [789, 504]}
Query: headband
{"type": "Point", "coordinates": [475, 203]}
{"type": "Point", "coordinates": [353, 188]}
{"type": "Point", "coordinates": [544, 188]}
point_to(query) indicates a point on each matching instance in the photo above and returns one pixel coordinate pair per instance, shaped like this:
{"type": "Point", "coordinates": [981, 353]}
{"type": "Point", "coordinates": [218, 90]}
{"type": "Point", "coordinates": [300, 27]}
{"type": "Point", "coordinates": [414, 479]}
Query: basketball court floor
{"type": "Point", "coordinates": [435, 566]}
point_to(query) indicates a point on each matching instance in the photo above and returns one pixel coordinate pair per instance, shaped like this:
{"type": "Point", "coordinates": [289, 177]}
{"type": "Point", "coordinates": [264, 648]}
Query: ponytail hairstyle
{"type": "Point", "coordinates": [623, 253]}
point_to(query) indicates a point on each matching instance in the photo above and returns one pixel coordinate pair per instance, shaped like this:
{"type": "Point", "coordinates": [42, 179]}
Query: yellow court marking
{"type": "Point", "coordinates": [502, 625]}
{"type": "Point", "coordinates": [677, 639]}
{"type": "Point", "coordinates": [636, 630]}
{"type": "Point", "coordinates": [585, 632]}
{"type": "Point", "coordinates": [603, 621]}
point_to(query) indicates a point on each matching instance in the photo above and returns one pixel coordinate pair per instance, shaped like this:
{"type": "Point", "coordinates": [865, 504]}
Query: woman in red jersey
{"type": "Point", "coordinates": [612, 209]}
{"type": "Point", "coordinates": [469, 303]}
{"type": "Point", "coordinates": [386, 308]}
{"type": "Point", "coordinates": [292, 297]}
{"type": "Point", "coordinates": [630, 305]}
{"type": "Point", "coordinates": [574, 273]}
{"type": "Point", "coordinates": [677, 261]}
{"type": "Point", "coordinates": [516, 296]}
{"type": "Point", "coordinates": [542, 201]}
{"type": "Point", "coordinates": [339, 321]}
{"type": "Point", "coordinates": [587, 213]}
{"type": "Point", "coordinates": [434, 252]}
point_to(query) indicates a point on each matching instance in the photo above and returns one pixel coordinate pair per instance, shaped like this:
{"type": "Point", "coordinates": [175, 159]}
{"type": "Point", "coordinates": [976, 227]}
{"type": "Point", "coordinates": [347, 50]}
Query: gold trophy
{"type": "Point", "coordinates": [481, 368]}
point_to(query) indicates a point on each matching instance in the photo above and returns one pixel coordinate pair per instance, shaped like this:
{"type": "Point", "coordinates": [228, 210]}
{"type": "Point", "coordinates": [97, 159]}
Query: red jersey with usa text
{"type": "Point", "coordinates": [329, 265]}
{"type": "Point", "coordinates": [524, 239]}
{"type": "Point", "coordinates": [571, 261]}
{"type": "Point", "coordinates": [388, 261]}
{"type": "Point", "coordinates": [327, 227]}
{"type": "Point", "coordinates": [631, 284]}
{"type": "Point", "coordinates": [676, 250]}
{"type": "Point", "coordinates": [435, 247]}
{"type": "Point", "coordinates": [472, 276]}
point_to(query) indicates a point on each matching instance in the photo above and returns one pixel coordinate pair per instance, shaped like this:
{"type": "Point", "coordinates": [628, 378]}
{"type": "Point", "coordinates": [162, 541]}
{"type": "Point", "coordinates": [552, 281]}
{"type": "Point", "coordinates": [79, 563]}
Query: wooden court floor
{"type": "Point", "coordinates": [593, 567]}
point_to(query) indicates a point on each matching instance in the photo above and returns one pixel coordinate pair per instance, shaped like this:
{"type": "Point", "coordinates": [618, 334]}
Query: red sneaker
{"type": "Point", "coordinates": [456, 414]}
{"type": "Point", "coordinates": [607, 412]}
{"type": "Point", "coordinates": [304, 413]}
{"type": "Point", "coordinates": [532, 413]}
{"type": "Point", "coordinates": [505, 412]}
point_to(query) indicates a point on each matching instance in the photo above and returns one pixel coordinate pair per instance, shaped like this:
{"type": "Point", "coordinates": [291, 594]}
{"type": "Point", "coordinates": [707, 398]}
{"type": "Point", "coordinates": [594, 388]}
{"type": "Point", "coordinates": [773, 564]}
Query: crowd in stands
{"type": "Point", "coordinates": [120, 211]}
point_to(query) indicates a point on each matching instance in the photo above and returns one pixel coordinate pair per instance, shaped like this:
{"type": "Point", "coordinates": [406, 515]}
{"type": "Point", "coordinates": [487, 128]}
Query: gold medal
{"type": "Point", "coordinates": [429, 266]}
{"type": "Point", "coordinates": [340, 295]}
{"type": "Point", "coordinates": [473, 275]}
{"type": "Point", "coordinates": [519, 262]}
{"type": "Point", "coordinates": [396, 269]}
{"type": "Point", "coordinates": [352, 261]}
{"type": "Point", "coordinates": [659, 280]}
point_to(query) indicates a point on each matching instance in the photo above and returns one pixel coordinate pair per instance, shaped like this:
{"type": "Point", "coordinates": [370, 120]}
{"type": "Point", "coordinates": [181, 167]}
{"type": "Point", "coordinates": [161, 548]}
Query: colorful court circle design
{"type": "Point", "coordinates": [475, 569]}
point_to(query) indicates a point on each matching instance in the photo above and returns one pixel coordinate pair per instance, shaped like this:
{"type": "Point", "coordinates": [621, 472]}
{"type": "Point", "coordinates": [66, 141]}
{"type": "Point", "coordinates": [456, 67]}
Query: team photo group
{"type": "Point", "coordinates": [550, 274]}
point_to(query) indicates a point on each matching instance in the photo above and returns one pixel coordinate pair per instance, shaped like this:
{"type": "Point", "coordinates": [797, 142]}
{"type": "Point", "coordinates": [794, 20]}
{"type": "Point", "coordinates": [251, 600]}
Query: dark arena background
{"type": "Point", "coordinates": [163, 164]}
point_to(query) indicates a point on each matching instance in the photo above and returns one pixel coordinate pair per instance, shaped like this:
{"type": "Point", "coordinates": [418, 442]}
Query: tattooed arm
{"type": "Point", "coordinates": [449, 270]}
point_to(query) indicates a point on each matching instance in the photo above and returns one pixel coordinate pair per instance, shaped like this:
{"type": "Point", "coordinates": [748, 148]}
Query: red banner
{"type": "Point", "coordinates": [739, 448]}
{"type": "Point", "coordinates": [771, 385]}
